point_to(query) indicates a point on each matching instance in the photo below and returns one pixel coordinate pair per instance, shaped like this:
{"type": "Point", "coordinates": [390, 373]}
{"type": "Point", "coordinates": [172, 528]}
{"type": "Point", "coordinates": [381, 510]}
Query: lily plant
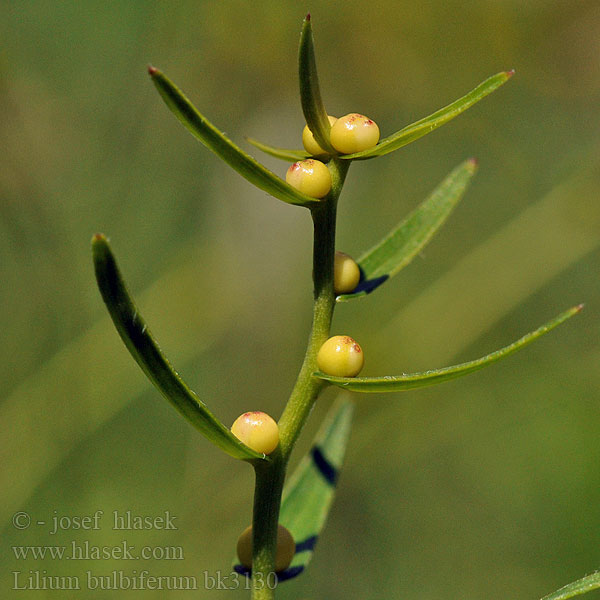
{"type": "Point", "coordinates": [300, 504]}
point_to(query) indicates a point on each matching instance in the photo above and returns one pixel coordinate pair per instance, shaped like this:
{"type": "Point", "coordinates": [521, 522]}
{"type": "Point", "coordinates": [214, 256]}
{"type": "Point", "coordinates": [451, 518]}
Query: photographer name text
{"type": "Point", "coordinates": [120, 521]}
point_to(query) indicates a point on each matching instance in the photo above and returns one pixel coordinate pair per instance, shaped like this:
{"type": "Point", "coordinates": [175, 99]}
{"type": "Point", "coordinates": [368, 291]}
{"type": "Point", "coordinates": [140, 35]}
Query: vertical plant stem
{"type": "Point", "coordinates": [307, 388]}
{"type": "Point", "coordinates": [267, 500]}
{"type": "Point", "coordinates": [270, 475]}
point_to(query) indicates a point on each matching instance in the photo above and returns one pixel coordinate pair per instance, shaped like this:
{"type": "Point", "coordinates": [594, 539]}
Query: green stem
{"type": "Point", "coordinates": [271, 475]}
{"type": "Point", "coordinates": [307, 387]}
{"type": "Point", "coordinates": [267, 500]}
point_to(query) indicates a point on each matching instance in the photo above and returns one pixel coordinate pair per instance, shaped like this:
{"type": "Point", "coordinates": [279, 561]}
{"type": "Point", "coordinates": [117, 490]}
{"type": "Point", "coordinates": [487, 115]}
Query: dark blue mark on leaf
{"type": "Point", "coordinates": [290, 573]}
{"type": "Point", "coordinates": [368, 285]}
{"type": "Point", "coordinates": [308, 544]}
{"type": "Point", "coordinates": [242, 570]}
{"type": "Point", "coordinates": [281, 576]}
{"type": "Point", "coordinates": [326, 469]}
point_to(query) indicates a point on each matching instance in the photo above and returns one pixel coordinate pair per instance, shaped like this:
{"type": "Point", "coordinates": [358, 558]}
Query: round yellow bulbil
{"type": "Point", "coordinates": [340, 356]}
{"type": "Point", "coordinates": [286, 548]}
{"type": "Point", "coordinates": [346, 273]}
{"type": "Point", "coordinates": [311, 177]}
{"type": "Point", "coordinates": [354, 133]}
{"type": "Point", "coordinates": [309, 142]}
{"type": "Point", "coordinates": [257, 430]}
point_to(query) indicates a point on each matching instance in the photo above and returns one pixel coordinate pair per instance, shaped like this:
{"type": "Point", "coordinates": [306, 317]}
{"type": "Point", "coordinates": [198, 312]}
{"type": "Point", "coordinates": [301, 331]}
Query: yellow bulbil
{"type": "Point", "coordinates": [309, 142]}
{"type": "Point", "coordinates": [257, 430]}
{"type": "Point", "coordinates": [311, 177]}
{"type": "Point", "coordinates": [340, 356]}
{"type": "Point", "coordinates": [354, 133]}
{"type": "Point", "coordinates": [286, 548]}
{"type": "Point", "coordinates": [346, 273]}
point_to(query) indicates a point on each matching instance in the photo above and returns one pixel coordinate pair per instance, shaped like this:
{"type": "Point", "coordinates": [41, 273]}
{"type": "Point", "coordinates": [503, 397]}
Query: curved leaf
{"type": "Point", "coordinates": [310, 93]}
{"type": "Point", "coordinates": [282, 153]}
{"type": "Point", "coordinates": [309, 493]}
{"type": "Point", "coordinates": [576, 588]}
{"type": "Point", "coordinates": [399, 383]}
{"type": "Point", "coordinates": [413, 132]}
{"type": "Point", "coordinates": [144, 349]}
{"type": "Point", "coordinates": [222, 146]}
{"type": "Point", "coordinates": [403, 243]}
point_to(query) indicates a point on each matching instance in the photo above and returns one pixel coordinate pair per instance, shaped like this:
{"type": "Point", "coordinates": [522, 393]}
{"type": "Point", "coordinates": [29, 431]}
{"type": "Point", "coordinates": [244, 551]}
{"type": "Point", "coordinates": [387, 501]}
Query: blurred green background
{"type": "Point", "coordinates": [485, 487]}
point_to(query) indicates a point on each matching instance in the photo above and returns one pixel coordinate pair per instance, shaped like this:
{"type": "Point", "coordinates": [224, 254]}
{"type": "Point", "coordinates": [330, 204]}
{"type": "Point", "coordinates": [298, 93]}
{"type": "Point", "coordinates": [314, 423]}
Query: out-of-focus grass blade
{"type": "Point", "coordinates": [413, 132]}
{"type": "Point", "coordinates": [144, 349]}
{"type": "Point", "coordinates": [404, 242]}
{"type": "Point", "coordinates": [309, 492]}
{"type": "Point", "coordinates": [576, 588]}
{"type": "Point", "coordinates": [399, 383]}
{"type": "Point", "coordinates": [222, 146]}
{"type": "Point", "coordinates": [310, 93]}
{"type": "Point", "coordinates": [282, 153]}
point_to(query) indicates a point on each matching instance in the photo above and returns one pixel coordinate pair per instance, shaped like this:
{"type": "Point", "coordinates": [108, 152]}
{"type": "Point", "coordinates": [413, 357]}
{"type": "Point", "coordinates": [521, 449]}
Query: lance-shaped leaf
{"type": "Point", "coordinates": [144, 349]}
{"type": "Point", "coordinates": [420, 128]}
{"type": "Point", "coordinates": [405, 241]}
{"type": "Point", "coordinates": [310, 93]}
{"type": "Point", "coordinates": [281, 153]}
{"type": "Point", "coordinates": [309, 492]}
{"type": "Point", "coordinates": [222, 146]}
{"type": "Point", "coordinates": [400, 383]}
{"type": "Point", "coordinates": [576, 588]}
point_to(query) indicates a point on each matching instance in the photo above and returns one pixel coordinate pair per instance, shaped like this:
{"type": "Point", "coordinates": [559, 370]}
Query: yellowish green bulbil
{"type": "Point", "coordinates": [286, 548]}
{"type": "Point", "coordinates": [311, 177]}
{"type": "Point", "coordinates": [354, 133]}
{"type": "Point", "coordinates": [311, 145]}
{"type": "Point", "coordinates": [340, 356]}
{"type": "Point", "coordinates": [346, 273]}
{"type": "Point", "coordinates": [257, 430]}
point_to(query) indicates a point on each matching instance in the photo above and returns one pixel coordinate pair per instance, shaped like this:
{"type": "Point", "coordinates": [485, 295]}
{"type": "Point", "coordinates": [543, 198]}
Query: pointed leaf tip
{"type": "Point", "coordinates": [142, 346]}
{"type": "Point", "coordinates": [576, 588]}
{"type": "Point", "coordinates": [510, 73]}
{"type": "Point", "coordinates": [307, 17]}
{"type": "Point", "coordinates": [286, 154]}
{"type": "Point", "coordinates": [405, 381]}
{"type": "Point", "coordinates": [418, 129]}
{"type": "Point", "coordinates": [98, 237]}
{"type": "Point", "coordinates": [310, 93]}
{"type": "Point", "coordinates": [409, 237]}
{"type": "Point", "coordinates": [152, 70]}
{"type": "Point", "coordinates": [216, 141]}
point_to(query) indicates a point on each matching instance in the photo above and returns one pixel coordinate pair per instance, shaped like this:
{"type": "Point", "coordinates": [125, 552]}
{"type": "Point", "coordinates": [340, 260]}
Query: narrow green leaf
{"type": "Point", "coordinates": [413, 132]}
{"type": "Point", "coordinates": [282, 153]}
{"type": "Point", "coordinates": [404, 242]}
{"type": "Point", "coordinates": [399, 383]}
{"type": "Point", "coordinates": [576, 588]}
{"type": "Point", "coordinates": [309, 492]}
{"type": "Point", "coordinates": [144, 349]}
{"type": "Point", "coordinates": [222, 146]}
{"type": "Point", "coordinates": [310, 93]}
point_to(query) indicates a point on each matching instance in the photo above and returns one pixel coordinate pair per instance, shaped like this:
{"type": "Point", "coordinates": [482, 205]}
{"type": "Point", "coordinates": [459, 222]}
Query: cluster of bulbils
{"type": "Point", "coordinates": [349, 134]}
{"type": "Point", "coordinates": [340, 355]}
